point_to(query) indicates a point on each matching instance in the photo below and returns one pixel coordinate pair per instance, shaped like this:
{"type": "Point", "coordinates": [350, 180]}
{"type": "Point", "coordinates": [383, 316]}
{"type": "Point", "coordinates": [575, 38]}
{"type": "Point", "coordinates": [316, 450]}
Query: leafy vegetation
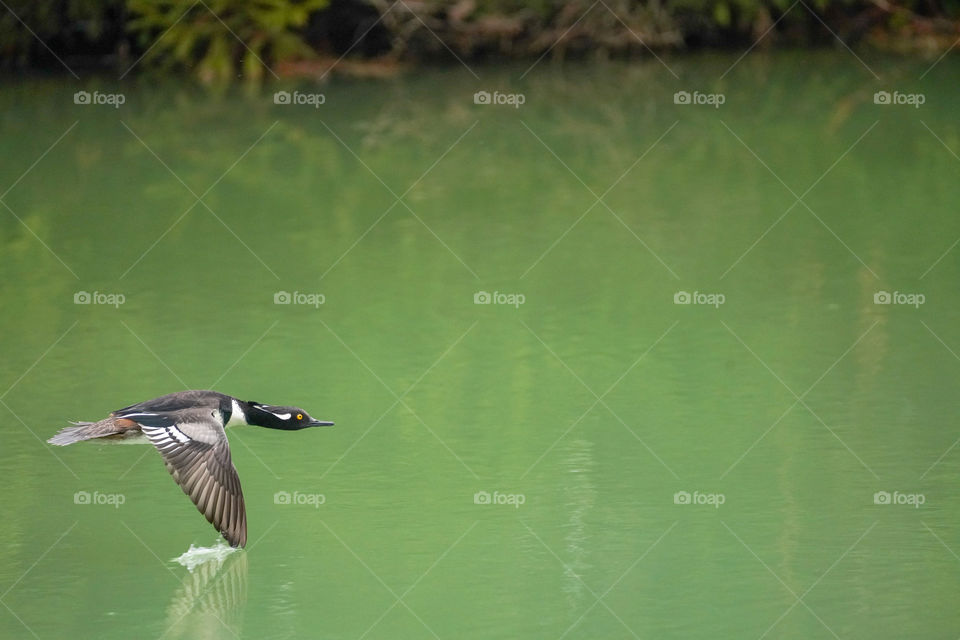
{"type": "Point", "coordinates": [218, 40]}
{"type": "Point", "coordinates": [222, 38]}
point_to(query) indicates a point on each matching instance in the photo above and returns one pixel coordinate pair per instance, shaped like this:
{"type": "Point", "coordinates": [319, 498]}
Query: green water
{"type": "Point", "coordinates": [592, 403]}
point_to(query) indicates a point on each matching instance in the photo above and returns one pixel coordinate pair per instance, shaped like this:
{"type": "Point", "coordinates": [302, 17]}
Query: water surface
{"type": "Point", "coordinates": [587, 410]}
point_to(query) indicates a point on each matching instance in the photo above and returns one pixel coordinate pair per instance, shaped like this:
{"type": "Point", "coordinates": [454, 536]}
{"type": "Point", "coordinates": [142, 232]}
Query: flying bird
{"type": "Point", "coordinates": [187, 428]}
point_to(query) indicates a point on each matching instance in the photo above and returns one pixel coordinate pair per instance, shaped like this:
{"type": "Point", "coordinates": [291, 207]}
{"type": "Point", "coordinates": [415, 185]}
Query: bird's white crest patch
{"type": "Point", "coordinates": [282, 416]}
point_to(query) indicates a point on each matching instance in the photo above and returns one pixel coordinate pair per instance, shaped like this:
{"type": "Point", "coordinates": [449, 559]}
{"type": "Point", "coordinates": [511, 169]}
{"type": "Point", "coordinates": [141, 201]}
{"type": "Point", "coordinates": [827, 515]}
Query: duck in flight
{"type": "Point", "coordinates": [187, 428]}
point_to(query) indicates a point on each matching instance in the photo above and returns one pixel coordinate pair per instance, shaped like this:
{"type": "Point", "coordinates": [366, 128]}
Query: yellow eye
{"type": "Point", "coordinates": [299, 416]}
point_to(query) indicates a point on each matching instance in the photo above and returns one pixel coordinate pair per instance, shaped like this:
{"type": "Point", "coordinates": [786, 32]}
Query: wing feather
{"type": "Point", "coordinates": [205, 472]}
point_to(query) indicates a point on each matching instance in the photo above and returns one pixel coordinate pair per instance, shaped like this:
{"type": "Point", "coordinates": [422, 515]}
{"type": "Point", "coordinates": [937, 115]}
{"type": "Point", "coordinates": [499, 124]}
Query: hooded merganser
{"type": "Point", "coordinates": [187, 428]}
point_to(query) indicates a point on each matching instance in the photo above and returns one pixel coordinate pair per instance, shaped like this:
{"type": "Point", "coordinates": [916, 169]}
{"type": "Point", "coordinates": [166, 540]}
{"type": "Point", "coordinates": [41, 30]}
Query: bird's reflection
{"type": "Point", "coordinates": [212, 596]}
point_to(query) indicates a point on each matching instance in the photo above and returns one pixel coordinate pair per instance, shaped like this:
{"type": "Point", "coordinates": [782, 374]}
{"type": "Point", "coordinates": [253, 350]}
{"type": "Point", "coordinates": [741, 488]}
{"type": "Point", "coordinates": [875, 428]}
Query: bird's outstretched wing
{"type": "Point", "coordinates": [199, 461]}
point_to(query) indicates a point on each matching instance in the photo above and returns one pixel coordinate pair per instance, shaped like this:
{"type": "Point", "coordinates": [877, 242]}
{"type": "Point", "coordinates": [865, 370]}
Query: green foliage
{"type": "Point", "coordinates": [221, 39]}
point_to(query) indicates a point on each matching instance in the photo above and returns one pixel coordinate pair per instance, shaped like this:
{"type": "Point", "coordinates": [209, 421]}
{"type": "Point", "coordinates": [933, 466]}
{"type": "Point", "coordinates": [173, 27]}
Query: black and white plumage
{"type": "Point", "coordinates": [187, 428]}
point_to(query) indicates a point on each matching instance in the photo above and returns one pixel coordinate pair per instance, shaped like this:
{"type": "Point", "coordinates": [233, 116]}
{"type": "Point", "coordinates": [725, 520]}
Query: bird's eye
{"type": "Point", "coordinates": [299, 416]}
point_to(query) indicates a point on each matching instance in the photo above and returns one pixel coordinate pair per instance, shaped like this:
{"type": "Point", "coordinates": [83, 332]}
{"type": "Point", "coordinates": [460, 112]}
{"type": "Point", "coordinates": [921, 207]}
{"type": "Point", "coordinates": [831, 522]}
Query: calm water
{"type": "Point", "coordinates": [583, 399]}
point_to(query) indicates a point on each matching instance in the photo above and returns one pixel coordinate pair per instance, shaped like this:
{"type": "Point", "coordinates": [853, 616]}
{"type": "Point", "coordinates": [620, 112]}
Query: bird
{"type": "Point", "coordinates": [187, 428]}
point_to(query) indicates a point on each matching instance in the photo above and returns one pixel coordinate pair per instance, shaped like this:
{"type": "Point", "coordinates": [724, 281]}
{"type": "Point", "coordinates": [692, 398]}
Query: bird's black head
{"type": "Point", "coordinates": [286, 418]}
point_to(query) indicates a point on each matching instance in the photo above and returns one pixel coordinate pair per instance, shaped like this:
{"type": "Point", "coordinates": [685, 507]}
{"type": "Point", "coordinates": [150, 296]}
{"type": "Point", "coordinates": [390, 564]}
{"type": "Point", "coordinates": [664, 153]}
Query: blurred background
{"type": "Point", "coordinates": [220, 40]}
{"type": "Point", "coordinates": [635, 319]}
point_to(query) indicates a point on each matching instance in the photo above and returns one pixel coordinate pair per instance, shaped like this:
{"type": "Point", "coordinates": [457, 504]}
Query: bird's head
{"type": "Point", "coordinates": [286, 418]}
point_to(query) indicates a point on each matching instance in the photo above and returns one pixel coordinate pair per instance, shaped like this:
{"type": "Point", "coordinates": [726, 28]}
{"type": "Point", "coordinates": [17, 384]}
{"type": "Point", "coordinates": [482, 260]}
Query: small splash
{"type": "Point", "coordinates": [196, 556]}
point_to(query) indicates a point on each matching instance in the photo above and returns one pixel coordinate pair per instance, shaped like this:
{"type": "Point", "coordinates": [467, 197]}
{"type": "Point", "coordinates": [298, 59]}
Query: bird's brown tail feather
{"type": "Point", "coordinates": [80, 431]}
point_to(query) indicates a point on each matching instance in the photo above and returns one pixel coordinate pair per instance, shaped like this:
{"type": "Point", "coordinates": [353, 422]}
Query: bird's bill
{"type": "Point", "coordinates": [319, 423]}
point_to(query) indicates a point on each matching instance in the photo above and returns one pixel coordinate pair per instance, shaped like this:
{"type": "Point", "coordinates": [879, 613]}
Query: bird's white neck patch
{"type": "Point", "coordinates": [237, 416]}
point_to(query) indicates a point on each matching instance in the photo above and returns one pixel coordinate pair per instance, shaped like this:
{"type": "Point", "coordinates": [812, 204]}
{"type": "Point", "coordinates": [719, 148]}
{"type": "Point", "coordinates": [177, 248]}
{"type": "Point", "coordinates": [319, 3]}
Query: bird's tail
{"type": "Point", "coordinates": [80, 431]}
